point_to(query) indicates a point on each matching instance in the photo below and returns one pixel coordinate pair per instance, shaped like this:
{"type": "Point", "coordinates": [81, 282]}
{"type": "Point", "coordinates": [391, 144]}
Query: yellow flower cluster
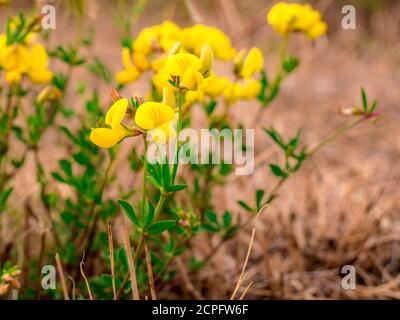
{"type": "Point", "coordinates": [27, 58]}
{"type": "Point", "coordinates": [287, 18]}
{"type": "Point", "coordinates": [244, 87]}
{"type": "Point", "coordinates": [154, 117]}
{"type": "Point", "coordinates": [151, 47]}
{"type": "Point", "coordinates": [181, 60]}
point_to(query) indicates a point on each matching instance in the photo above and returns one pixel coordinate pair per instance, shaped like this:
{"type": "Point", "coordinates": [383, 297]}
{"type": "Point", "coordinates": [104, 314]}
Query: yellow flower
{"type": "Point", "coordinates": [186, 66]}
{"type": "Point", "coordinates": [193, 39]}
{"type": "Point", "coordinates": [16, 62]}
{"type": "Point", "coordinates": [214, 86]}
{"type": "Point", "coordinates": [156, 118]}
{"type": "Point", "coordinates": [317, 30]}
{"type": "Point", "coordinates": [3, 46]}
{"type": "Point", "coordinates": [286, 18]}
{"type": "Point", "coordinates": [250, 89]}
{"type": "Point", "coordinates": [38, 71]}
{"type": "Point", "coordinates": [232, 92]}
{"type": "Point", "coordinates": [131, 73]}
{"type": "Point", "coordinates": [140, 61]}
{"type": "Point", "coordinates": [253, 63]}
{"type": "Point", "coordinates": [160, 79]}
{"type": "Point", "coordinates": [109, 137]}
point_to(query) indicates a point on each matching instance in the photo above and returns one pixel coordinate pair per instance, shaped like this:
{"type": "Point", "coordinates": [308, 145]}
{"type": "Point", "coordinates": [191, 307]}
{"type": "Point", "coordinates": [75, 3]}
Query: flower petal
{"type": "Point", "coordinates": [179, 63]}
{"type": "Point", "coordinates": [116, 113]}
{"type": "Point", "coordinates": [151, 115]}
{"type": "Point", "coordinates": [106, 138]}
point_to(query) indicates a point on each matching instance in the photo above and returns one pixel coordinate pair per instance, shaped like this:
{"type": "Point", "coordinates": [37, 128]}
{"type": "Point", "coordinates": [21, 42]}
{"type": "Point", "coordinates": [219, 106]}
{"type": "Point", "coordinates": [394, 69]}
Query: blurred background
{"type": "Point", "coordinates": [344, 206]}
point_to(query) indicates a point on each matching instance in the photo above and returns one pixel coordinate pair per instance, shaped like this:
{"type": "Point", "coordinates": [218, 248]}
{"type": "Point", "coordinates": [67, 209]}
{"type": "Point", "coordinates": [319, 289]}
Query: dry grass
{"type": "Point", "coordinates": [343, 208]}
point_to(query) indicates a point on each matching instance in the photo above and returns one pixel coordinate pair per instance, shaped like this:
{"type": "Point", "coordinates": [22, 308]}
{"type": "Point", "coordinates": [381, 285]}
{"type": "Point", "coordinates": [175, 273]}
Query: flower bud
{"type": "Point", "coordinates": [175, 49]}
{"type": "Point", "coordinates": [206, 58]}
{"type": "Point", "coordinates": [49, 93]}
{"type": "Point", "coordinates": [238, 61]}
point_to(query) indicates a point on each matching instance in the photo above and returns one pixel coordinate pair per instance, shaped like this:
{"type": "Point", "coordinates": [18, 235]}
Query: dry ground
{"type": "Point", "coordinates": [343, 207]}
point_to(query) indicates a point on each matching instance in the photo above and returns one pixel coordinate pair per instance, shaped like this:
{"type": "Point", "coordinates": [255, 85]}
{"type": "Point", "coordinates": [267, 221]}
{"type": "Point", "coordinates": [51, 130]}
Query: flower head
{"type": "Point", "coordinates": [187, 67]}
{"type": "Point", "coordinates": [254, 62]}
{"type": "Point", "coordinates": [286, 18]}
{"type": "Point", "coordinates": [109, 137]}
{"type": "Point", "coordinates": [156, 118]}
{"type": "Point", "coordinates": [131, 72]}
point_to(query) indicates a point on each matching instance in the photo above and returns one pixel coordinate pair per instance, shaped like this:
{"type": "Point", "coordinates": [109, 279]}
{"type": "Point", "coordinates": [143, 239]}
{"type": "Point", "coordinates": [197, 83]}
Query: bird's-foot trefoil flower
{"type": "Point", "coordinates": [157, 118]}
{"type": "Point", "coordinates": [109, 137]}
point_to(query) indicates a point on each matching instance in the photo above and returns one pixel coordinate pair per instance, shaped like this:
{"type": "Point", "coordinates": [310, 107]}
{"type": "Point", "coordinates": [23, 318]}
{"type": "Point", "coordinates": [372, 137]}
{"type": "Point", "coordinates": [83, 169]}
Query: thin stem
{"type": "Point", "coordinates": [179, 128]}
{"type": "Point", "coordinates": [131, 263]}
{"type": "Point", "coordinates": [111, 249]}
{"type": "Point", "coordinates": [272, 195]}
{"type": "Point", "coordinates": [141, 243]}
{"type": "Point", "coordinates": [341, 130]}
{"type": "Point", "coordinates": [62, 279]}
{"type": "Point", "coordinates": [150, 274]}
{"type": "Point", "coordinates": [144, 175]}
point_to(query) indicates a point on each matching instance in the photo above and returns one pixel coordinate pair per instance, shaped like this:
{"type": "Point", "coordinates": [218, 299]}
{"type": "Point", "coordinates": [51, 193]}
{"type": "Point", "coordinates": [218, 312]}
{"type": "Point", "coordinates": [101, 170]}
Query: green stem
{"type": "Point", "coordinates": [341, 130]}
{"type": "Point", "coordinates": [179, 128]}
{"type": "Point", "coordinates": [140, 245]}
{"type": "Point", "coordinates": [144, 176]}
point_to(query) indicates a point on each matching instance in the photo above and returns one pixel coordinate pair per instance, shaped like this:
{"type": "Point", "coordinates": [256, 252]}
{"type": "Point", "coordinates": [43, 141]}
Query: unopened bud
{"type": "Point", "coordinates": [206, 58]}
{"type": "Point", "coordinates": [49, 93]}
{"type": "Point", "coordinates": [238, 61]}
{"type": "Point", "coordinates": [175, 49]}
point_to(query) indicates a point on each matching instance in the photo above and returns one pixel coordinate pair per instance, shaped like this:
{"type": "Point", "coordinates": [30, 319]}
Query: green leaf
{"type": "Point", "coordinates": [259, 197]}
{"type": "Point", "coordinates": [227, 217]}
{"type": "Point", "coordinates": [276, 170]}
{"type": "Point", "coordinates": [373, 107]}
{"type": "Point", "coordinates": [245, 206]}
{"type": "Point", "coordinates": [290, 63]}
{"type": "Point", "coordinates": [67, 217]}
{"type": "Point", "coordinates": [58, 177]}
{"type": "Point", "coordinates": [122, 257]}
{"type": "Point", "coordinates": [364, 99]}
{"type": "Point", "coordinates": [81, 158]}
{"type": "Point", "coordinates": [275, 136]}
{"type": "Point", "coordinates": [166, 174]}
{"type": "Point", "coordinates": [212, 217]}
{"type": "Point", "coordinates": [160, 226]}
{"type": "Point", "coordinates": [177, 187]}
{"type": "Point", "coordinates": [210, 228]}
{"type": "Point", "coordinates": [66, 167]}
{"type": "Point", "coordinates": [4, 197]}
{"type": "Point", "coordinates": [130, 212]}
{"type": "Point", "coordinates": [153, 180]}
{"type": "Point", "coordinates": [210, 107]}
{"type": "Point", "coordinates": [149, 210]}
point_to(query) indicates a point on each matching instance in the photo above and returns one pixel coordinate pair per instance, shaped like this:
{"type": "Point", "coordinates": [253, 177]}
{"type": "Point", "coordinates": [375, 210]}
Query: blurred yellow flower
{"type": "Point", "coordinates": [193, 38]}
{"type": "Point", "coordinates": [286, 18]}
{"type": "Point", "coordinates": [131, 72]}
{"type": "Point", "coordinates": [38, 71]}
{"type": "Point", "coordinates": [250, 89]}
{"type": "Point", "coordinates": [15, 61]}
{"type": "Point", "coordinates": [109, 137]}
{"type": "Point", "coordinates": [21, 59]}
{"type": "Point", "coordinates": [254, 62]}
